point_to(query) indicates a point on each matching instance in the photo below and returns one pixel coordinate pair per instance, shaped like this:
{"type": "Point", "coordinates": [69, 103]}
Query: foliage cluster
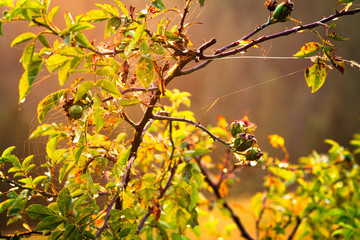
{"type": "Point", "coordinates": [150, 182]}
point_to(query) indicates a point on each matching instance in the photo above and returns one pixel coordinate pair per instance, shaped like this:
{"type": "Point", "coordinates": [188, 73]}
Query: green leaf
{"type": "Point", "coordinates": [108, 8]}
{"type": "Point", "coordinates": [53, 12]}
{"type": "Point", "coordinates": [67, 67]}
{"type": "Point", "coordinates": [46, 104]}
{"type": "Point", "coordinates": [112, 26]}
{"type": "Point", "coordinates": [308, 50]}
{"type": "Point", "coordinates": [55, 61]}
{"type": "Point", "coordinates": [315, 75]}
{"type": "Point", "coordinates": [99, 120]}
{"type": "Point", "coordinates": [337, 37]}
{"type": "Point", "coordinates": [122, 8]}
{"type": "Point", "coordinates": [39, 179]}
{"type": "Point", "coordinates": [1, 27]}
{"type": "Point", "coordinates": [28, 77]}
{"type": "Point", "coordinates": [109, 87]}
{"type": "Point", "coordinates": [8, 3]}
{"type": "Point", "coordinates": [83, 89]}
{"type": "Point", "coordinates": [83, 41]}
{"type": "Point", "coordinates": [139, 31]}
{"type": "Point", "coordinates": [27, 161]}
{"type": "Point", "coordinates": [23, 38]}
{"type": "Point", "coordinates": [28, 54]}
{"type": "Point", "coordinates": [96, 16]}
{"type": "Point", "coordinates": [43, 40]}
{"type": "Point", "coordinates": [49, 223]}
{"type": "Point", "coordinates": [6, 204]}
{"type": "Point", "coordinates": [158, 4]}
{"type": "Point", "coordinates": [7, 152]}
{"type": "Point", "coordinates": [51, 147]}
{"type": "Point", "coordinates": [64, 201]}
{"type": "Point", "coordinates": [145, 71]}
{"type": "Point", "coordinates": [80, 26]}
{"type": "Point", "coordinates": [38, 211]}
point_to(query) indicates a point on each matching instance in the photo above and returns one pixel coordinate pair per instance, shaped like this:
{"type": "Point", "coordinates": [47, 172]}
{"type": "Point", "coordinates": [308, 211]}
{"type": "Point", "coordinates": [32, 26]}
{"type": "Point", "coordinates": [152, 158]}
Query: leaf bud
{"type": "Point", "coordinates": [271, 5]}
{"type": "Point", "coordinates": [244, 142]}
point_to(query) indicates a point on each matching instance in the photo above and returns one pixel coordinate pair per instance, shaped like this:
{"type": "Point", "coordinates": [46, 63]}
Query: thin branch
{"type": "Point", "coordinates": [107, 215]}
{"type": "Point", "coordinates": [152, 89]}
{"type": "Point", "coordinates": [45, 194]}
{"type": "Point", "coordinates": [150, 209]}
{"type": "Point", "coordinates": [186, 10]}
{"type": "Point", "coordinates": [257, 222]}
{"type": "Point", "coordinates": [127, 119]}
{"type": "Point", "coordinates": [159, 117]}
{"type": "Point", "coordinates": [24, 234]}
{"type": "Point", "coordinates": [299, 221]}
{"type": "Point", "coordinates": [281, 34]}
{"type": "Point", "coordinates": [216, 191]}
{"type": "Point", "coordinates": [219, 53]}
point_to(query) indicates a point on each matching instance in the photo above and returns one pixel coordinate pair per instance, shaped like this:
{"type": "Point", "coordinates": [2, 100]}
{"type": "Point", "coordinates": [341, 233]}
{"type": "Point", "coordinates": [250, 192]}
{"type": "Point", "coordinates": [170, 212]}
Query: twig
{"type": "Point", "coordinates": [299, 221]}
{"type": "Point", "coordinates": [219, 53]}
{"type": "Point", "coordinates": [45, 194]}
{"type": "Point", "coordinates": [186, 10]}
{"type": "Point", "coordinates": [107, 215]}
{"type": "Point", "coordinates": [24, 234]}
{"type": "Point", "coordinates": [150, 209]}
{"type": "Point", "coordinates": [158, 117]}
{"type": "Point", "coordinates": [132, 90]}
{"type": "Point", "coordinates": [281, 34]}
{"type": "Point", "coordinates": [257, 222]}
{"type": "Point", "coordinates": [215, 188]}
{"type": "Point", "coordinates": [127, 119]}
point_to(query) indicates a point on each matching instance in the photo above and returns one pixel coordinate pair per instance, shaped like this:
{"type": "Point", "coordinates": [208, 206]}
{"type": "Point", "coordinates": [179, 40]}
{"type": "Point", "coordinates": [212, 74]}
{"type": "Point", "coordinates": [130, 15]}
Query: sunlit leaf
{"type": "Point", "coordinates": [28, 77]}
{"type": "Point", "coordinates": [122, 8]}
{"type": "Point", "coordinates": [145, 71]}
{"type": "Point", "coordinates": [308, 50]}
{"type": "Point", "coordinates": [99, 120]}
{"type": "Point", "coordinates": [83, 89]}
{"type": "Point", "coordinates": [108, 86]}
{"type": "Point", "coordinates": [80, 26]}
{"type": "Point", "coordinates": [43, 40]}
{"type": "Point", "coordinates": [96, 16]}
{"type": "Point", "coordinates": [139, 31]}
{"type": "Point", "coordinates": [83, 41]}
{"type": "Point", "coordinates": [315, 75]}
{"type": "Point", "coordinates": [276, 140]}
{"type": "Point", "coordinates": [112, 26]}
{"type": "Point", "coordinates": [108, 8]}
{"type": "Point", "coordinates": [48, 102]}
{"type": "Point", "coordinates": [23, 38]}
{"type": "Point", "coordinates": [55, 61]}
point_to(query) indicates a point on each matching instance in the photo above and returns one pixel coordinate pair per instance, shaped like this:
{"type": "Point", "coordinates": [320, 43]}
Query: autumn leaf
{"type": "Point", "coordinates": [315, 75]}
{"type": "Point", "coordinates": [308, 50]}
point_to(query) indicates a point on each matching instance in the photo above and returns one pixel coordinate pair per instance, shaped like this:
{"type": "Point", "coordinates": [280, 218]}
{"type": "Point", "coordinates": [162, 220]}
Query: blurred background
{"type": "Point", "coordinates": [273, 93]}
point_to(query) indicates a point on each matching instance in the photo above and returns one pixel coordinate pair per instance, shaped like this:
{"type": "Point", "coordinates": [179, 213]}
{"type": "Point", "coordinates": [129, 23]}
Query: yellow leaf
{"type": "Point", "coordinates": [276, 141]}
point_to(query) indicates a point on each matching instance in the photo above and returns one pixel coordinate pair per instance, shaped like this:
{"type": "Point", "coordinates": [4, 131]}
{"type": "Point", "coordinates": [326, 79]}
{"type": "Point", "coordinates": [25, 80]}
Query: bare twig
{"type": "Point", "coordinates": [186, 10]}
{"type": "Point", "coordinates": [158, 117]}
